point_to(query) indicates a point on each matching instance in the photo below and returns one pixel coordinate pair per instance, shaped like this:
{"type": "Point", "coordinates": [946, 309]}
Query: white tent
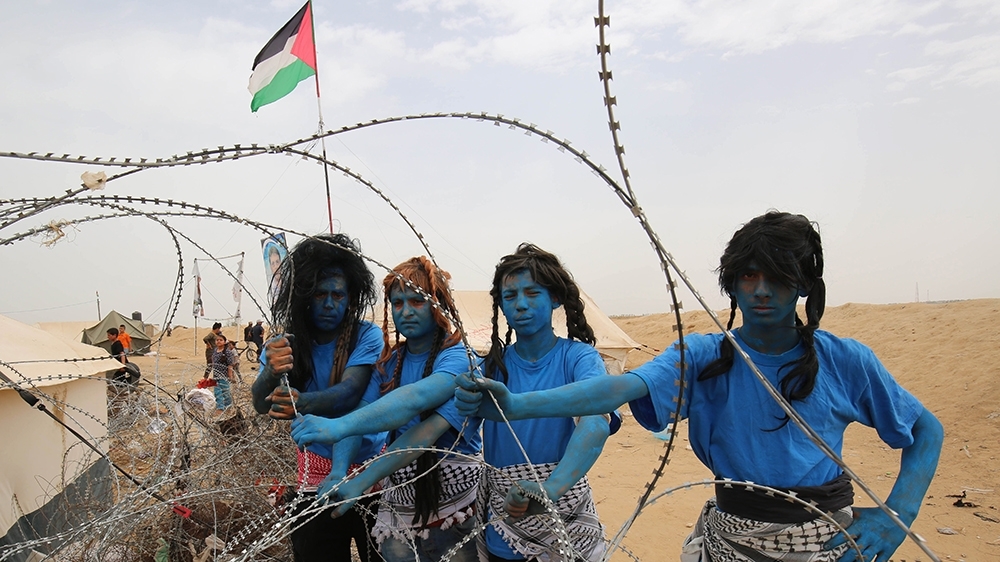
{"type": "Point", "coordinates": [44, 468]}
{"type": "Point", "coordinates": [476, 311]}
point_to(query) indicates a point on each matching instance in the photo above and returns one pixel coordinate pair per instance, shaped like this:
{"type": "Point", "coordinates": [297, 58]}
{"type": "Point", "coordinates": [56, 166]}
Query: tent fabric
{"type": "Point", "coordinates": [476, 311]}
{"type": "Point", "coordinates": [65, 330]}
{"type": "Point", "coordinates": [98, 333]}
{"type": "Point", "coordinates": [41, 458]}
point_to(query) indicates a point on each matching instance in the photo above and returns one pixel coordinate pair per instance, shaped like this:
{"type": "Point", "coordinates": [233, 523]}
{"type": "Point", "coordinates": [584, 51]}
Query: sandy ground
{"type": "Point", "coordinates": [947, 354]}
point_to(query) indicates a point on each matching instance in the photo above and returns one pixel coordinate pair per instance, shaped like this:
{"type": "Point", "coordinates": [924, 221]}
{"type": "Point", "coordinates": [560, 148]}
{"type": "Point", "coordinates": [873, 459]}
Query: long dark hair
{"type": "Point", "coordinates": [547, 271]}
{"type": "Point", "coordinates": [301, 271]}
{"type": "Point", "coordinates": [419, 272]}
{"type": "Point", "coordinates": [787, 248]}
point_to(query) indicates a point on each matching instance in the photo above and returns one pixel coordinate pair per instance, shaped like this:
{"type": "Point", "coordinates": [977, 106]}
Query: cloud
{"type": "Point", "coordinates": [975, 61]}
{"type": "Point", "coordinates": [912, 28]}
{"type": "Point", "coordinates": [455, 24]}
{"type": "Point", "coordinates": [740, 28]}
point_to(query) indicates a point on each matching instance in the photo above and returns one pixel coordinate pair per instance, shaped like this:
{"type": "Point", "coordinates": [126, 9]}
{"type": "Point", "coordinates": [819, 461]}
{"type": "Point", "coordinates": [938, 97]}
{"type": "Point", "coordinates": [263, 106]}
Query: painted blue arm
{"type": "Point", "coordinates": [584, 447]}
{"type": "Point", "coordinates": [422, 435]}
{"type": "Point", "coordinates": [874, 532]}
{"type": "Point", "coordinates": [593, 396]}
{"type": "Point", "coordinates": [343, 453]}
{"type": "Point", "coordinates": [385, 414]}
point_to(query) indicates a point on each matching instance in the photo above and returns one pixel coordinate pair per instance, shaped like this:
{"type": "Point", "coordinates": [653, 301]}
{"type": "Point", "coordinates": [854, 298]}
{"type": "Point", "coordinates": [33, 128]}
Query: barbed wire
{"type": "Point", "coordinates": [173, 463]}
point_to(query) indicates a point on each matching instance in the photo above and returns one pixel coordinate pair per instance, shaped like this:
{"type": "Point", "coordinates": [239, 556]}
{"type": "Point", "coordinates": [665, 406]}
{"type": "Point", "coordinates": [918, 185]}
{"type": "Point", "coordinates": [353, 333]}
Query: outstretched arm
{"type": "Point", "coordinates": [872, 529]}
{"type": "Point", "coordinates": [593, 396]}
{"type": "Point", "coordinates": [584, 447]}
{"type": "Point", "coordinates": [387, 413]}
{"type": "Point", "coordinates": [422, 435]}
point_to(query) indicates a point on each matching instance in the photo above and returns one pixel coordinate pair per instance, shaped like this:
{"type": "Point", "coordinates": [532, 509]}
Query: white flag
{"type": "Point", "coordinates": [238, 285]}
{"type": "Point", "coordinates": [198, 308]}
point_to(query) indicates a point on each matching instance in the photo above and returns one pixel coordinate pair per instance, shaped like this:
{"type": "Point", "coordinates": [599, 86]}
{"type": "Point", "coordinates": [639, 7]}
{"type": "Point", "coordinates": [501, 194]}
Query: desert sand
{"type": "Point", "coordinates": [946, 354]}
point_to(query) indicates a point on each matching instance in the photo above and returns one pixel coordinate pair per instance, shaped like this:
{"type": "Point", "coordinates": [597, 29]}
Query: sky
{"type": "Point", "coordinates": [878, 119]}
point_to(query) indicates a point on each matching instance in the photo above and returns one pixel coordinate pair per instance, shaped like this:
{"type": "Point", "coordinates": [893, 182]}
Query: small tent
{"type": "Point", "coordinates": [46, 474]}
{"type": "Point", "coordinates": [476, 311]}
{"type": "Point", "coordinates": [98, 333]}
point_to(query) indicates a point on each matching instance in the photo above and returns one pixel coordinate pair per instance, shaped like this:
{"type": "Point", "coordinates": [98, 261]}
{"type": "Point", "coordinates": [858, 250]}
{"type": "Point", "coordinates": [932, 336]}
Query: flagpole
{"type": "Point", "coordinates": [319, 111]}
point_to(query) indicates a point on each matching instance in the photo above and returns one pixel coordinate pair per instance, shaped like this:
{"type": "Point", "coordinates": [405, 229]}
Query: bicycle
{"type": "Point", "coordinates": [250, 351]}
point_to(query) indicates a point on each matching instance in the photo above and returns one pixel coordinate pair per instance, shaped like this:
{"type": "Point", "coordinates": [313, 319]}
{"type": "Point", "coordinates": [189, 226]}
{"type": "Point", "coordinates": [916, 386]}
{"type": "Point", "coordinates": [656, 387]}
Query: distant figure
{"type": "Point", "coordinates": [222, 372]}
{"type": "Point", "coordinates": [169, 330]}
{"type": "Point", "coordinates": [117, 348]}
{"type": "Point", "coordinates": [210, 346]}
{"type": "Point", "coordinates": [235, 358]}
{"type": "Point", "coordinates": [257, 336]}
{"type": "Point", "coordinates": [125, 339]}
{"type": "Point", "coordinates": [248, 332]}
{"type": "Point", "coordinates": [118, 352]}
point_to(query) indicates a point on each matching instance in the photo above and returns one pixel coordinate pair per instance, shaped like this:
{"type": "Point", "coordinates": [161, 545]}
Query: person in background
{"type": "Point", "coordinates": [257, 336]}
{"type": "Point", "coordinates": [234, 358]}
{"type": "Point", "coordinates": [222, 372]}
{"type": "Point", "coordinates": [210, 346]}
{"type": "Point", "coordinates": [125, 339]}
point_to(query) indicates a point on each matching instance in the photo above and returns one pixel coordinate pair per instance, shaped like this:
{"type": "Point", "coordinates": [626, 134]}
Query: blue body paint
{"type": "Point", "coordinates": [768, 309]}
{"type": "Point", "coordinates": [413, 317]}
{"type": "Point", "coordinates": [329, 305]}
{"type": "Point", "coordinates": [528, 307]}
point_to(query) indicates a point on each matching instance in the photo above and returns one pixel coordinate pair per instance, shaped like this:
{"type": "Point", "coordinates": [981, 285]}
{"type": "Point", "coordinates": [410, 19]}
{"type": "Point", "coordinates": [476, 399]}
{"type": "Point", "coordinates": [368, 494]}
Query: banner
{"type": "Point", "coordinates": [274, 250]}
{"type": "Point", "coordinates": [238, 285]}
{"type": "Point", "coordinates": [198, 307]}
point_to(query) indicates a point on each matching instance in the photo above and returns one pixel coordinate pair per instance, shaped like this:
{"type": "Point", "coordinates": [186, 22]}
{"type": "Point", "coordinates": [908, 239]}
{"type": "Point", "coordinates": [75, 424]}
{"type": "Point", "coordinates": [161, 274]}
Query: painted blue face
{"type": "Point", "coordinates": [526, 305]}
{"type": "Point", "coordinates": [413, 317]}
{"type": "Point", "coordinates": [329, 305]}
{"type": "Point", "coordinates": [765, 303]}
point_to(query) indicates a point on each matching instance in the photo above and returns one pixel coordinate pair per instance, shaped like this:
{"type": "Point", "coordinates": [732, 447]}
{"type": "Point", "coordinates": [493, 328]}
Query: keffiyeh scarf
{"type": "Point", "coordinates": [459, 481]}
{"type": "Point", "coordinates": [724, 537]}
{"type": "Point", "coordinates": [531, 536]}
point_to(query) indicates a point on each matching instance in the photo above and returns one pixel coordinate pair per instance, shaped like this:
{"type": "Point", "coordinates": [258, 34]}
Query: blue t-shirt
{"type": "Point", "coordinates": [544, 439]}
{"type": "Point", "coordinates": [731, 416]}
{"type": "Point", "coordinates": [366, 352]}
{"type": "Point", "coordinates": [453, 361]}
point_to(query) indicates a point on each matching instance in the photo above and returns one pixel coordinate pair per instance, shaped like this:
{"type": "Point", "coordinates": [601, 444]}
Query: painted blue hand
{"type": "Point", "coordinates": [311, 429]}
{"type": "Point", "coordinates": [338, 493]}
{"type": "Point", "coordinates": [471, 398]}
{"type": "Point", "coordinates": [519, 503]}
{"type": "Point", "coordinates": [875, 533]}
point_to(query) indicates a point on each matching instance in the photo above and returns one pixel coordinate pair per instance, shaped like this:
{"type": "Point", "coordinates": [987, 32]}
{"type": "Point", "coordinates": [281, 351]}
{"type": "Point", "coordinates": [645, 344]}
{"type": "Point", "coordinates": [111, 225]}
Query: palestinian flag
{"type": "Point", "coordinates": [287, 59]}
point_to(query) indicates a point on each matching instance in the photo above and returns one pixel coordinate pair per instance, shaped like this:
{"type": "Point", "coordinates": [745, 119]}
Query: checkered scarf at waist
{"type": "Point", "coordinates": [313, 468]}
{"type": "Point", "coordinates": [532, 536]}
{"type": "Point", "coordinates": [724, 537]}
{"type": "Point", "coordinates": [459, 477]}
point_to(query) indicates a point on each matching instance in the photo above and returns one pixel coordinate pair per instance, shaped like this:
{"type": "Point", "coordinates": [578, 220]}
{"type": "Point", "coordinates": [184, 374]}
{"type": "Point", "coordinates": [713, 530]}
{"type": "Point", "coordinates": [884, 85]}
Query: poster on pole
{"type": "Point", "coordinates": [274, 251]}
